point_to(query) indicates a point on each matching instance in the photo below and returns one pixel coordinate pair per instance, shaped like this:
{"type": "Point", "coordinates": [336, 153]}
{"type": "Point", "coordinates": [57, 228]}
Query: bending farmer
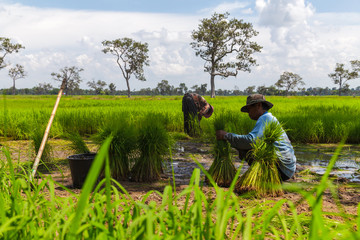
{"type": "Point", "coordinates": [194, 107]}
{"type": "Point", "coordinates": [257, 108]}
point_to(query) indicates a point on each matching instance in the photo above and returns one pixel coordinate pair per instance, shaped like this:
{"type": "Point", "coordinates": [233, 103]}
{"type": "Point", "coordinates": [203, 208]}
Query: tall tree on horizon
{"type": "Point", "coordinates": [16, 73]}
{"type": "Point", "coordinates": [72, 78]}
{"type": "Point", "coordinates": [131, 56]}
{"type": "Point", "coordinates": [289, 81]}
{"type": "Point", "coordinates": [225, 45]}
{"type": "Point", "coordinates": [97, 86]}
{"type": "Point", "coordinates": [341, 75]}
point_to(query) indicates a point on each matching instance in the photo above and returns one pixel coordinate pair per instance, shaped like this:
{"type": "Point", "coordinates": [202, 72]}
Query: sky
{"type": "Point", "coordinates": [304, 37]}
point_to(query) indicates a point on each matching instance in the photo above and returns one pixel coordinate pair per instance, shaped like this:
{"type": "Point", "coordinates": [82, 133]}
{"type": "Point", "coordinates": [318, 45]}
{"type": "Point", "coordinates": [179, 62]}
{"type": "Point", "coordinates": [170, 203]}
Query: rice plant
{"type": "Point", "coordinates": [123, 143]}
{"type": "Point", "coordinates": [222, 170]}
{"type": "Point", "coordinates": [262, 177]}
{"type": "Point", "coordinates": [78, 144]}
{"type": "Point", "coordinates": [153, 143]}
{"type": "Point", "coordinates": [320, 119]}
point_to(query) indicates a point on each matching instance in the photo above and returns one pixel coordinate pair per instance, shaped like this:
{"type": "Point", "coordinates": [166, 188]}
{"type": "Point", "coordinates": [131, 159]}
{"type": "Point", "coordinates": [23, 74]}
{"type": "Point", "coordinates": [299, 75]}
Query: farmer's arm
{"type": "Point", "coordinates": [242, 142]}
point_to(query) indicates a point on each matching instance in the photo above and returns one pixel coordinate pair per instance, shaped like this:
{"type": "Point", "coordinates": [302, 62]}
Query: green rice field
{"type": "Point", "coordinates": [108, 209]}
{"type": "Point", "coordinates": [307, 119]}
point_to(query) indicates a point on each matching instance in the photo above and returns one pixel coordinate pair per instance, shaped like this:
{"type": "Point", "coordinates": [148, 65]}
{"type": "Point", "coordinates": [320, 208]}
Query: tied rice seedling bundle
{"type": "Point", "coordinates": [122, 145]}
{"type": "Point", "coordinates": [77, 143]}
{"type": "Point", "coordinates": [263, 176]}
{"type": "Point", "coordinates": [222, 170]}
{"type": "Point", "coordinates": [153, 143]}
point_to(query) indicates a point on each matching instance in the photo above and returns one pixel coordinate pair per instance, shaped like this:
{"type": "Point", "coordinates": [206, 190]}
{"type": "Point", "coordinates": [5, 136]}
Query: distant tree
{"type": "Point", "coordinates": [112, 88]}
{"type": "Point", "coordinates": [236, 92]}
{"type": "Point", "coordinates": [164, 88]}
{"type": "Point", "coordinates": [195, 88]}
{"type": "Point", "coordinates": [272, 90]}
{"type": "Point", "coordinates": [225, 46]}
{"type": "Point", "coordinates": [279, 85]}
{"type": "Point", "coordinates": [289, 81]}
{"type": "Point", "coordinates": [203, 88]}
{"type": "Point", "coordinates": [261, 89]}
{"type": "Point", "coordinates": [72, 78]}
{"type": "Point", "coordinates": [7, 47]}
{"type": "Point", "coordinates": [43, 88]}
{"type": "Point", "coordinates": [341, 75]}
{"type": "Point", "coordinates": [220, 92]}
{"type": "Point", "coordinates": [146, 91]}
{"type": "Point", "coordinates": [131, 56]}
{"type": "Point", "coordinates": [97, 86]}
{"type": "Point", "coordinates": [249, 90]}
{"type": "Point", "coordinates": [182, 88]}
{"type": "Point", "coordinates": [16, 73]}
{"type": "Point", "coordinates": [355, 64]}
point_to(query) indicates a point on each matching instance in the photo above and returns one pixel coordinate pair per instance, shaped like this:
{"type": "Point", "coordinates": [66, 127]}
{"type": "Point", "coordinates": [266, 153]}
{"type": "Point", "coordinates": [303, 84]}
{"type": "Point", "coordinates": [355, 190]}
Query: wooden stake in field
{"type": "Point", "coordinates": [47, 130]}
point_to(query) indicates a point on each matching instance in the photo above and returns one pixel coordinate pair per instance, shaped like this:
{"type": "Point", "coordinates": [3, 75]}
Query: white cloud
{"type": "Point", "coordinates": [294, 38]}
{"type": "Point", "coordinates": [279, 13]}
{"type": "Point", "coordinates": [228, 7]}
{"type": "Point", "coordinates": [298, 39]}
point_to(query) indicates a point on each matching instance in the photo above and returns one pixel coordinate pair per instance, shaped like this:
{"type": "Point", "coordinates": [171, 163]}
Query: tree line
{"type": "Point", "coordinates": [224, 44]}
{"type": "Point", "coordinates": [164, 88]}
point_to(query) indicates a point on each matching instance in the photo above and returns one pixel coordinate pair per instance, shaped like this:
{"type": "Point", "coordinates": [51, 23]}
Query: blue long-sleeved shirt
{"type": "Point", "coordinates": [285, 150]}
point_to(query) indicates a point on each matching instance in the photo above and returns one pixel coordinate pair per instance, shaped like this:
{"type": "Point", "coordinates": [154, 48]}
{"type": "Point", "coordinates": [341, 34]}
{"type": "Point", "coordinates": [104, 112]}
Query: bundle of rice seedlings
{"type": "Point", "coordinates": [122, 146]}
{"type": "Point", "coordinates": [153, 143]}
{"type": "Point", "coordinates": [262, 178]}
{"type": "Point", "coordinates": [222, 170]}
{"type": "Point", "coordinates": [77, 143]}
{"type": "Point", "coordinates": [194, 126]}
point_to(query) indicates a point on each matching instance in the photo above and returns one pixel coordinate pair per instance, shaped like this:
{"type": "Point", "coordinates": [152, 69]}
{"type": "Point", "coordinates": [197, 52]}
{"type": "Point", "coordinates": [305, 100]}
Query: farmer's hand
{"type": "Point", "coordinates": [220, 134]}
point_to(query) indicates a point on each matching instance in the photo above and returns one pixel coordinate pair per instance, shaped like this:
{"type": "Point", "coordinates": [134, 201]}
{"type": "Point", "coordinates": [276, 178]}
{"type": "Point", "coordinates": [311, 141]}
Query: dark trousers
{"type": "Point", "coordinates": [190, 115]}
{"type": "Point", "coordinates": [243, 155]}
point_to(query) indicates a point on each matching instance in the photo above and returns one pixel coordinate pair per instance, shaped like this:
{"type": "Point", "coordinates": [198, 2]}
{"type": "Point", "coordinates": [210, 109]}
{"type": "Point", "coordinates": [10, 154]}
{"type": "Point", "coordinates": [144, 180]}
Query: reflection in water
{"type": "Point", "coordinates": [316, 160]}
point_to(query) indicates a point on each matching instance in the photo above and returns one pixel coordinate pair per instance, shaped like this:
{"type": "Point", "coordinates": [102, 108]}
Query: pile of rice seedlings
{"type": "Point", "coordinates": [263, 177]}
{"type": "Point", "coordinates": [153, 143]}
{"type": "Point", "coordinates": [222, 170]}
{"type": "Point", "coordinates": [123, 143]}
{"type": "Point", "coordinates": [78, 144]}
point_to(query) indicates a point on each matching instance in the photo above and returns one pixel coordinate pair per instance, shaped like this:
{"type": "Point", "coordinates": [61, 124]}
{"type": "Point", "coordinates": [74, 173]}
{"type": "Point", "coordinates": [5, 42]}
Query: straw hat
{"type": "Point", "coordinates": [253, 99]}
{"type": "Point", "coordinates": [209, 112]}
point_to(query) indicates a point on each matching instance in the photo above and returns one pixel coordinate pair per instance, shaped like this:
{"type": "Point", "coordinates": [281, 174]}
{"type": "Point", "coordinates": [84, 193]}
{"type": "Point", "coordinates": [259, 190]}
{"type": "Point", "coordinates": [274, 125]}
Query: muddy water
{"type": "Point", "coordinates": [315, 158]}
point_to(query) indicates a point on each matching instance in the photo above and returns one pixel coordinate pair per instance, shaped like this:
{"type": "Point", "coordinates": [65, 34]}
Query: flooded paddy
{"type": "Point", "coordinates": [315, 158]}
{"type": "Point", "coordinates": [310, 157]}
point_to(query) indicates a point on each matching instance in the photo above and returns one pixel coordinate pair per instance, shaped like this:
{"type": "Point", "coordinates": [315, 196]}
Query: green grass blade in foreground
{"type": "Point", "coordinates": [172, 168]}
{"type": "Point", "coordinates": [88, 186]}
{"type": "Point", "coordinates": [207, 174]}
{"type": "Point", "coordinates": [317, 230]}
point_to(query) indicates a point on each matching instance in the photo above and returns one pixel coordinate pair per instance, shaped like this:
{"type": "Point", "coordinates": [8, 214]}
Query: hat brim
{"type": "Point", "coordinates": [245, 108]}
{"type": "Point", "coordinates": [209, 112]}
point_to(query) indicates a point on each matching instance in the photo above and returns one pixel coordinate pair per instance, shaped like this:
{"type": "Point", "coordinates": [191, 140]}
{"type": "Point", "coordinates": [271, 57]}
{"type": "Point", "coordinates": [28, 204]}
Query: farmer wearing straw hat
{"type": "Point", "coordinates": [194, 108]}
{"type": "Point", "coordinates": [257, 108]}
